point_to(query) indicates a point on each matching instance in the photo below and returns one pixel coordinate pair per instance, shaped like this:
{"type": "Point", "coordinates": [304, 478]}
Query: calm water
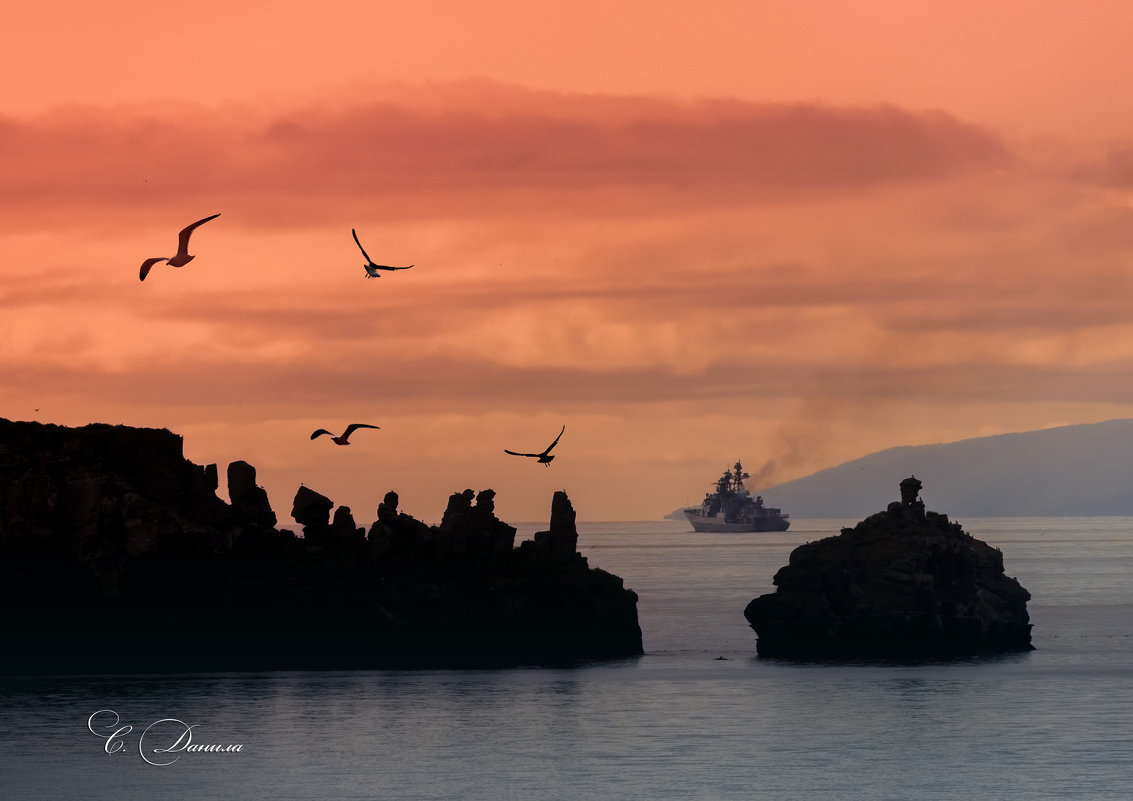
{"type": "Point", "coordinates": [678, 723]}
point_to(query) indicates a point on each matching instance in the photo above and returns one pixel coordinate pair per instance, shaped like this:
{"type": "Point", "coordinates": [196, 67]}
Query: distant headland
{"type": "Point", "coordinates": [1073, 471]}
{"type": "Point", "coordinates": [116, 554]}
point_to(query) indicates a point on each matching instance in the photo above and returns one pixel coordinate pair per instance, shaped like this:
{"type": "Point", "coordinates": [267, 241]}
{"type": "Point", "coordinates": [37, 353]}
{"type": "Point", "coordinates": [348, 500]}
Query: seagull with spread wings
{"type": "Point", "coordinates": [370, 267]}
{"type": "Point", "coordinates": [181, 257]}
{"type": "Point", "coordinates": [545, 457]}
{"type": "Point", "coordinates": [344, 437]}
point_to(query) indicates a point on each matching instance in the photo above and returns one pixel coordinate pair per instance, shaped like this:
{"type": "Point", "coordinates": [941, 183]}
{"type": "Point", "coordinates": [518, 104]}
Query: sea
{"type": "Point", "coordinates": [699, 716]}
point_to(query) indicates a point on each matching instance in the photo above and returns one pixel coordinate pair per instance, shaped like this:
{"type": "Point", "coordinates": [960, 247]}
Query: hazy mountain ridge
{"type": "Point", "coordinates": [1070, 470]}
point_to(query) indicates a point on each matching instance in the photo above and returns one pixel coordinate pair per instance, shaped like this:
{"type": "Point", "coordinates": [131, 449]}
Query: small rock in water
{"type": "Point", "coordinates": [901, 583]}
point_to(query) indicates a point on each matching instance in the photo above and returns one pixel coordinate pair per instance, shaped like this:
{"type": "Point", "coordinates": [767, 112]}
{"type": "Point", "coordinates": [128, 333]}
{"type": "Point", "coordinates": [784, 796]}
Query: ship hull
{"type": "Point", "coordinates": [719, 525]}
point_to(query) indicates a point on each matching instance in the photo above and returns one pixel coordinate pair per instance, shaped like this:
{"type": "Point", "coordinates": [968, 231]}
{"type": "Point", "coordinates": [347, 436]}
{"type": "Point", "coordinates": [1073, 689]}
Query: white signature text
{"type": "Point", "coordinates": [162, 742]}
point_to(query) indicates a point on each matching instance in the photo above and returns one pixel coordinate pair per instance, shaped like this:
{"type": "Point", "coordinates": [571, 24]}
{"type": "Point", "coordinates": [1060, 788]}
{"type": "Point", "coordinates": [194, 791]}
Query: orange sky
{"type": "Point", "coordinates": [750, 231]}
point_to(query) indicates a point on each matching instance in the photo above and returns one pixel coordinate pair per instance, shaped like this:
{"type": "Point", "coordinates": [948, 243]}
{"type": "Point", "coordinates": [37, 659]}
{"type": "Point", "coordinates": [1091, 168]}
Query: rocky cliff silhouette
{"type": "Point", "coordinates": [117, 555]}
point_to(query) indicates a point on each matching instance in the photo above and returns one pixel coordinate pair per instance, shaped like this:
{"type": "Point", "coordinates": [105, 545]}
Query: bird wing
{"type": "Point", "coordinates": [350, 429]}
{"type": "Point", "coordinates": [384, 267]}
{"type": "Point", "coordinates": [513, 453]}
{"type": "Point", "coordinates": [320, 432]}
{"type": "Point", "coordinates": [186, 232]}
{"type": "Point", "coordinates": [146, 265]}
{"type": "Point", "coordinates": [556, 442]}
{"type": "Point", "coordinates": [364, 253]}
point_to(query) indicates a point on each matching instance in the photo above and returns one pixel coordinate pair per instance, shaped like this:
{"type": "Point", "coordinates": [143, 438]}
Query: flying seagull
{"type": "Point", "coordinates": [545, 457]}
{"type": "Point", "coordinates": [371, 268]}
{"type": "Point", "coordinates": [342, 439]}
{"type": "Point", "coordinates": [182, 256]}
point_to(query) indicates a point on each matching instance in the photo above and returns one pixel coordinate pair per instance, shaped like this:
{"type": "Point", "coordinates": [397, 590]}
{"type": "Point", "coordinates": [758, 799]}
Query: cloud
{"type": "Point", "coordinates": [519, 151]}
{"type": "Point", "coordinates": [1113, 168]}
{"type": "Point", "coordinates": [403, 383]}
{"type": "Point", "coordinates": [699, 269]}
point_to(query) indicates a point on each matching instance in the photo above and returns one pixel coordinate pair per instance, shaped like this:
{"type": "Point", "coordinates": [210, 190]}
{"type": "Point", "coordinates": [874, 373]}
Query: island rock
{"type": "Point", "coordinates": [901, 583]}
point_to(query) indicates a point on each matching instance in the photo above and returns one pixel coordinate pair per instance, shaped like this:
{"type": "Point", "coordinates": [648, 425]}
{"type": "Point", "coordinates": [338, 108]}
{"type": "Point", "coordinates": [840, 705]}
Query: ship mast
{"type": "Point", "coordinates": [737, 480]}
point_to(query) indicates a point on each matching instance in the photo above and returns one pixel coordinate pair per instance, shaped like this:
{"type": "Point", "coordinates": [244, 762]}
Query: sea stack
{"type": "Point", "coordinates": [903, 583]}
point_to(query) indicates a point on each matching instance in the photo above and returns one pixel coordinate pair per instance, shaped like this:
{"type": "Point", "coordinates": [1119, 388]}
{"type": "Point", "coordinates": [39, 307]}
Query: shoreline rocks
{"type": "Point", "coordinates": [903, 583]}
{"type": "Point", "coordinates": [116, 555]}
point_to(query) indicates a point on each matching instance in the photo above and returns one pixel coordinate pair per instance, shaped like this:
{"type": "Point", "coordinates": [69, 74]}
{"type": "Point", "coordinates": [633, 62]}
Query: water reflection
{"type": "Point", "coordinates": [899, 660]}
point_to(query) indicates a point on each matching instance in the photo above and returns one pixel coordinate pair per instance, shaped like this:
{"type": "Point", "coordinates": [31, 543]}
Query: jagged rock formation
{"type": "Point", "coordinates": [249, 500]}
{"type": "Point", "coordinates": [904, 582]}
{"type": "Point", "coordinates": [117, 555]}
